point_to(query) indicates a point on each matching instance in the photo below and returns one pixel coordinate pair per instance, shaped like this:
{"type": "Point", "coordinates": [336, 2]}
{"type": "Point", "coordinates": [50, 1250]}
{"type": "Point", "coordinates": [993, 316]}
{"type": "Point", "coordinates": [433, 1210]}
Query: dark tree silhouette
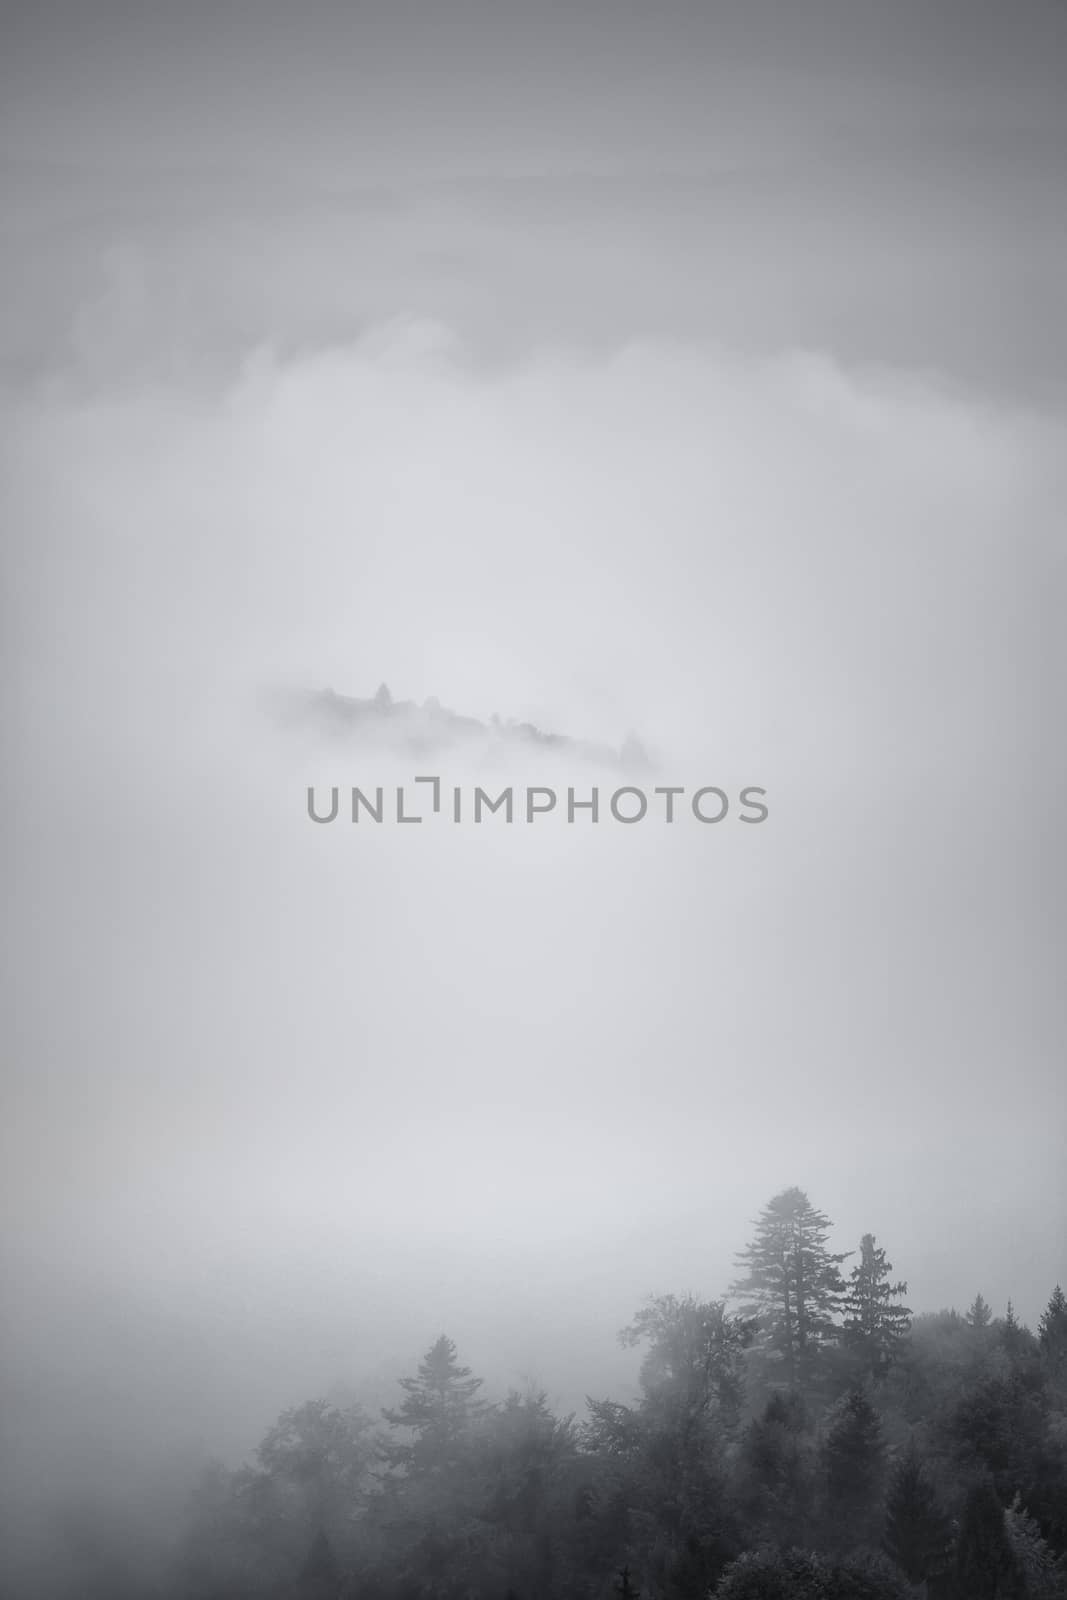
{"type": "Point", "coordinates": [876, 1320]}
{"type": "Point", "coordinates": [439, 1406]}
{"type": "Point", "coordinates": [719, 1479]}
{"type": "Point", "coordinates": [1052, 1333]}
{"type": "Point", "coordinates": [792, 1282]}
{"type": "Point", "coordinates": [979, 1314]}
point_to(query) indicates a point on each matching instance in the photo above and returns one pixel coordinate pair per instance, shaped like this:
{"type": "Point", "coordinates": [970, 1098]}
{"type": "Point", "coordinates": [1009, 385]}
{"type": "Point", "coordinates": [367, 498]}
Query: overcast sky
{"type": "Point", "coordinates": [694, 371]}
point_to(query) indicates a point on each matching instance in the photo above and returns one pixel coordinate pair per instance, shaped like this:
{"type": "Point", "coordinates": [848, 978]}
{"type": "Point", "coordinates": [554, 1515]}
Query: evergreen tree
{"type": "Point", "coordinates": [876, 1320]}
{"type": "Point", "coordinates": [804, 1575]}
{"type": "Point", "coordinates": [917, 1532]}
{"type": "Point", "coordinates": [432, 1508]}
{"type": "Point", "coordinates": [1052, 1333]}
{"type": "Point", "coordinates": [985, 1563]}
{"type": "Point", "coordinates": [792, 1282]}
{"type": "Point", "coordinates": [853, 1456]}
{"type": "Point", "coordinates": [998, 1427]}
{"type": "Point", "coordinates": [1042, 1575]}
{"type": "Point", "coordinates": [979, 1314]}
{"type": "Point", "coordinates": [440, 1408]}
{"type": "Point", "coordinates": [776, 1478]}
{"type": "Point", "coordinates": [1017, 1342]}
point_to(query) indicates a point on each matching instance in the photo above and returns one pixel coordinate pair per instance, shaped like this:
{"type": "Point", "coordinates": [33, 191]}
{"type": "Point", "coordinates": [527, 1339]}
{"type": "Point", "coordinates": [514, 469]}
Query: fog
{"type": "Point", "coordinates": [283, 1102]}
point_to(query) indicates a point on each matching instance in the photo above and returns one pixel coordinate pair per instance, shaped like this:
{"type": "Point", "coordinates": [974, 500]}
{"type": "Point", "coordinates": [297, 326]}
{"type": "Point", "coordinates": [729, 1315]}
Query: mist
{"type": "Point", "coordinates": [573, 446]}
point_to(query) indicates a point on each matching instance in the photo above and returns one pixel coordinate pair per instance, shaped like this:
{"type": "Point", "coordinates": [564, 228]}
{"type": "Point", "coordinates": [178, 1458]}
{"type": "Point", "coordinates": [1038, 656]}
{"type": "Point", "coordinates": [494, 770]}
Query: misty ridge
{"type": "Point", "coordinates": [806, 1436]}
{"type": "Point", "coordinates": [431, 731]}
{"type": "Point", "coordinates": [408, 727]}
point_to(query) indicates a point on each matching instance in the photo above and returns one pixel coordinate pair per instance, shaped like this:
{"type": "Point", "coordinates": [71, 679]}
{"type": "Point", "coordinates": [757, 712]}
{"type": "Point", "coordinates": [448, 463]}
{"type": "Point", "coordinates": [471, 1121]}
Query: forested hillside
{"type": "Point", "coordinates": [804, 1436]}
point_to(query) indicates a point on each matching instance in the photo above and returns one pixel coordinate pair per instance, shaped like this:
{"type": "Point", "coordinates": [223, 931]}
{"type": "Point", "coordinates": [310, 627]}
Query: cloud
{"type": "Point", "coordinates": [723, 407]}
{"type": "Point", "coordinates": [249, 1050]}
{"type": "Point", "coordinates": [674, 539]}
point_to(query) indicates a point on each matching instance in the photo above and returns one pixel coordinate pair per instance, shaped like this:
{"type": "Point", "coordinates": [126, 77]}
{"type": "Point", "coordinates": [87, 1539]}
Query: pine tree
{"type": "Point", "coordinates": [792, 1282]}
{"type": "Point", "coordinates": [1012, 1335]}
{"type": "Point", "coordinates": [854, 1462]}
{"type": "Point", "coordinates": [875, 1320]}
{"type": "Point", "coordinates": [917, 1532]}
{"type": "Point", "coordinates": [979, 1314]}
{"type": "Point", "coordinates": [439, 1406]}
{"type": "Point", "coordinates": [1052, 1333]}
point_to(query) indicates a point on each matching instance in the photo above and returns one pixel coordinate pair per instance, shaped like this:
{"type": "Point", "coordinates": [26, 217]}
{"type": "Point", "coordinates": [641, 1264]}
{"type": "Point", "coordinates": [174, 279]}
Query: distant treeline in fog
{"type": "Point", "coordinates": [432, 729]}
{"type": "Point", "coordinates": [806, 1436]}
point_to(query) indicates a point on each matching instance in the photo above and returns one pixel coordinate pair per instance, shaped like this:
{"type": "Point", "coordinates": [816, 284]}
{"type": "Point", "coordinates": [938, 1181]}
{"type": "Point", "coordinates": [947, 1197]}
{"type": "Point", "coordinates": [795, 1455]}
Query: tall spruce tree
{"type": "Point", "coordinates": [792, 1282]}
{"type": "Point", "coordinates": [1052, 1333]}
{"type": "Point", "coordinates": [876, 1320]}
{"type": "Point", "coordinates": [440, 1406]}
{"type": "Point", "coordinates": [1014, 1337]}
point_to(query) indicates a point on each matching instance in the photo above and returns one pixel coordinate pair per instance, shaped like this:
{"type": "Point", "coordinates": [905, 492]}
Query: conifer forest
{"type": "Point", "coordinates": [804, 1437]}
